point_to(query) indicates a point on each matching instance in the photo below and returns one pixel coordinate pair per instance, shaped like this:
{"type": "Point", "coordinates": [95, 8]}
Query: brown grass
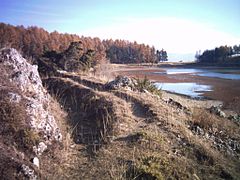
{"type": "Point", "coordinates": [204, 119]}
{"type": "Point", "coordinates": [207, 121]}
{"type": "Point", "coordinates": [153, 141]}
{"type": "Point", "coordinates": [11, 114]}
{"type": "Point", "coordinates": [142, 137]}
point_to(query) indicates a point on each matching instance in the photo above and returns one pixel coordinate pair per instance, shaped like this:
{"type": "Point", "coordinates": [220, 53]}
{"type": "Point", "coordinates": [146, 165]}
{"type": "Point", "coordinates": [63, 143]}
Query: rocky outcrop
{"type": "Point", "coordinates": [122, 82]}
{"type": "Point", "coordinates": [235, 117]}
{"type": "Point", "coordinates": [28, 172]}
{"type": "Point", "coordinates": [30, 93]}
{"type": "Point", "coordinates": [219, 139]}
{"type": "Point", "coordinates": [26, 77]}
{"type": "Point", "coordinates": [216, 110]}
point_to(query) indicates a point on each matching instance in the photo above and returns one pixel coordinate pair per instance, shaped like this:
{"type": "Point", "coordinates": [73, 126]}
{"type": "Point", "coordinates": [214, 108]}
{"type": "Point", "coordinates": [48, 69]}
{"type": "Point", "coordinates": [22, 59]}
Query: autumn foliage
{"type": "Point", "coordinates": [33, 42]}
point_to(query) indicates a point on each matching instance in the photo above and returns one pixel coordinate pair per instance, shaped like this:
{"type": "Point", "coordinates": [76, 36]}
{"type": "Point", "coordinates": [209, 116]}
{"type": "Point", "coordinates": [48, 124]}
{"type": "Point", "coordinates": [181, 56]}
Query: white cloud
{"type": "Point", "coordinates": [174, 35]}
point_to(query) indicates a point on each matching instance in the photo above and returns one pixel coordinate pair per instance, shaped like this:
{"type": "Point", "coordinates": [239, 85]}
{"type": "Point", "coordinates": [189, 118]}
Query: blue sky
{"type": "Point", "coordinates": [181, 27]}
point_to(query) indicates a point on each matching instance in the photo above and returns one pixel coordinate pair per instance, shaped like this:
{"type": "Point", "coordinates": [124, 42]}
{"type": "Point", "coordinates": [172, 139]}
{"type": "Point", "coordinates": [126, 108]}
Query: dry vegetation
{"type": "Point", "coordinates": [134, 135]}
{"type": "Point", "coordinates": [121, 134]}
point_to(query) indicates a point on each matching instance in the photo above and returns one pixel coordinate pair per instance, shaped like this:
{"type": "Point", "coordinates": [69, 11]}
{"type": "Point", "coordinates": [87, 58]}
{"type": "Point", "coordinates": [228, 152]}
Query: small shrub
{"type": "Point", "coordinates": [159, 166]}
{"type": "Point", "coordinates": [151, 167]}
{"type": "Point", "coordinates": [146, 84]}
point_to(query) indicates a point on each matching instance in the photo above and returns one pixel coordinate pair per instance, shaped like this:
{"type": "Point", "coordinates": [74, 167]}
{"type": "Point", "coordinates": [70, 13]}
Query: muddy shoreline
{"type": "Point", "coordinates": [225, 90]}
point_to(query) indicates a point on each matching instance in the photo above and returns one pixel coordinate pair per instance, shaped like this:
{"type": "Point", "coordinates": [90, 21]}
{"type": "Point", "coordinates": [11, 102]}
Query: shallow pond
{"type": "Point", "coordinates": [232, 74]}
{"type": "Point", "coordinates": [194, 89]}
{"type": "Point", "coordinates": [190, 89]}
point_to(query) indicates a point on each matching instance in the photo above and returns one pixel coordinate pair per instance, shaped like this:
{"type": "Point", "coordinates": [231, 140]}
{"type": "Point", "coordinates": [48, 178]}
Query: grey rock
{"type": "Point", "coordinates": [40, 148]}
{"type": "Point", "coordinates": [122, 82]}
{"type": "Point", "coordinates": [28, 172]}
{"type": "Point", "coordinates": [14, 97]}
{"type": "Point", "coordinates": [36, 161]}
{"type": "Point", "coordinates": [207, 136]}
{"type": "Point", "coordinates": [234, 118]}
{"type": "Point", "coordinates": [199, 131]}
{"type": "Point", "coordinates": [178, 105]}
{"type": "Point", "coordinates": [216, 110]}
{"type": "Point", "coordinates": [26, 77]}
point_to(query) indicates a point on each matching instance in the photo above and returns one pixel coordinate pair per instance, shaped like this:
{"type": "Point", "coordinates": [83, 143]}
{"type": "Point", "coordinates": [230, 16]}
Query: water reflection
{"type": "Point", "coordinates": [232, 74]}
{"type": "Point", "coordinates": [182, 71]}
{"type": "Point", "coordinates": [220, 75]}
{"type": "Point", "coordinates": [190, 89]}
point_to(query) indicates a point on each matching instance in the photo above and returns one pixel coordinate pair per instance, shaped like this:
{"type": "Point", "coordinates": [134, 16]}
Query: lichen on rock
{"type": "Point", "coordinates": [122, 82]}
{"type": "Point", "coordinates": [26, 77]}
{"type": "Point", "coordinates": [216, 110]}
{"type": "Point", "coordinates": [28, 172]}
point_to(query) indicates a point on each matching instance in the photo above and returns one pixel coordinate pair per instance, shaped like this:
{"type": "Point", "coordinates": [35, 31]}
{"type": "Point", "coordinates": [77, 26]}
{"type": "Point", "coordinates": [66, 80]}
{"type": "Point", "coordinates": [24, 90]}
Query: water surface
{"type": "Point", "coordinates": [220, 75]}
{"type": "Point", "coordinates": [193, 90]}
{"type": "Point", "coordinates": [182, 70]}
{"type": "Point", "coordinates": [232, 74]}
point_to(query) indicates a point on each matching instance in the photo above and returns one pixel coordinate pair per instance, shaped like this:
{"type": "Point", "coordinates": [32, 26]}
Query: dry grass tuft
{"type": "Point", "coordinates": [11, 114]}
{"type": "Point", "coordinates": [26, 139]}
{"type": "Point", "coordinates": [214, 124]}
{"type": "Point", "coordinates": [203, 119]}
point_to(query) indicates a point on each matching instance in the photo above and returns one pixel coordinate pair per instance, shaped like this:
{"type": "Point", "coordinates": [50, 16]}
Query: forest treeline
{"type": "Point", "coordinates": [33, 42]}
{"type": "Point", "coordinates": [222, 54]}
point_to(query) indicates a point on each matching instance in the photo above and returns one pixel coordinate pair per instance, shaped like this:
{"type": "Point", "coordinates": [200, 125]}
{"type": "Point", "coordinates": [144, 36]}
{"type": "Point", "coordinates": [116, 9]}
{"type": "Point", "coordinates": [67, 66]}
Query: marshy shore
{"type": "Point", "coordinates": [225, 90]}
